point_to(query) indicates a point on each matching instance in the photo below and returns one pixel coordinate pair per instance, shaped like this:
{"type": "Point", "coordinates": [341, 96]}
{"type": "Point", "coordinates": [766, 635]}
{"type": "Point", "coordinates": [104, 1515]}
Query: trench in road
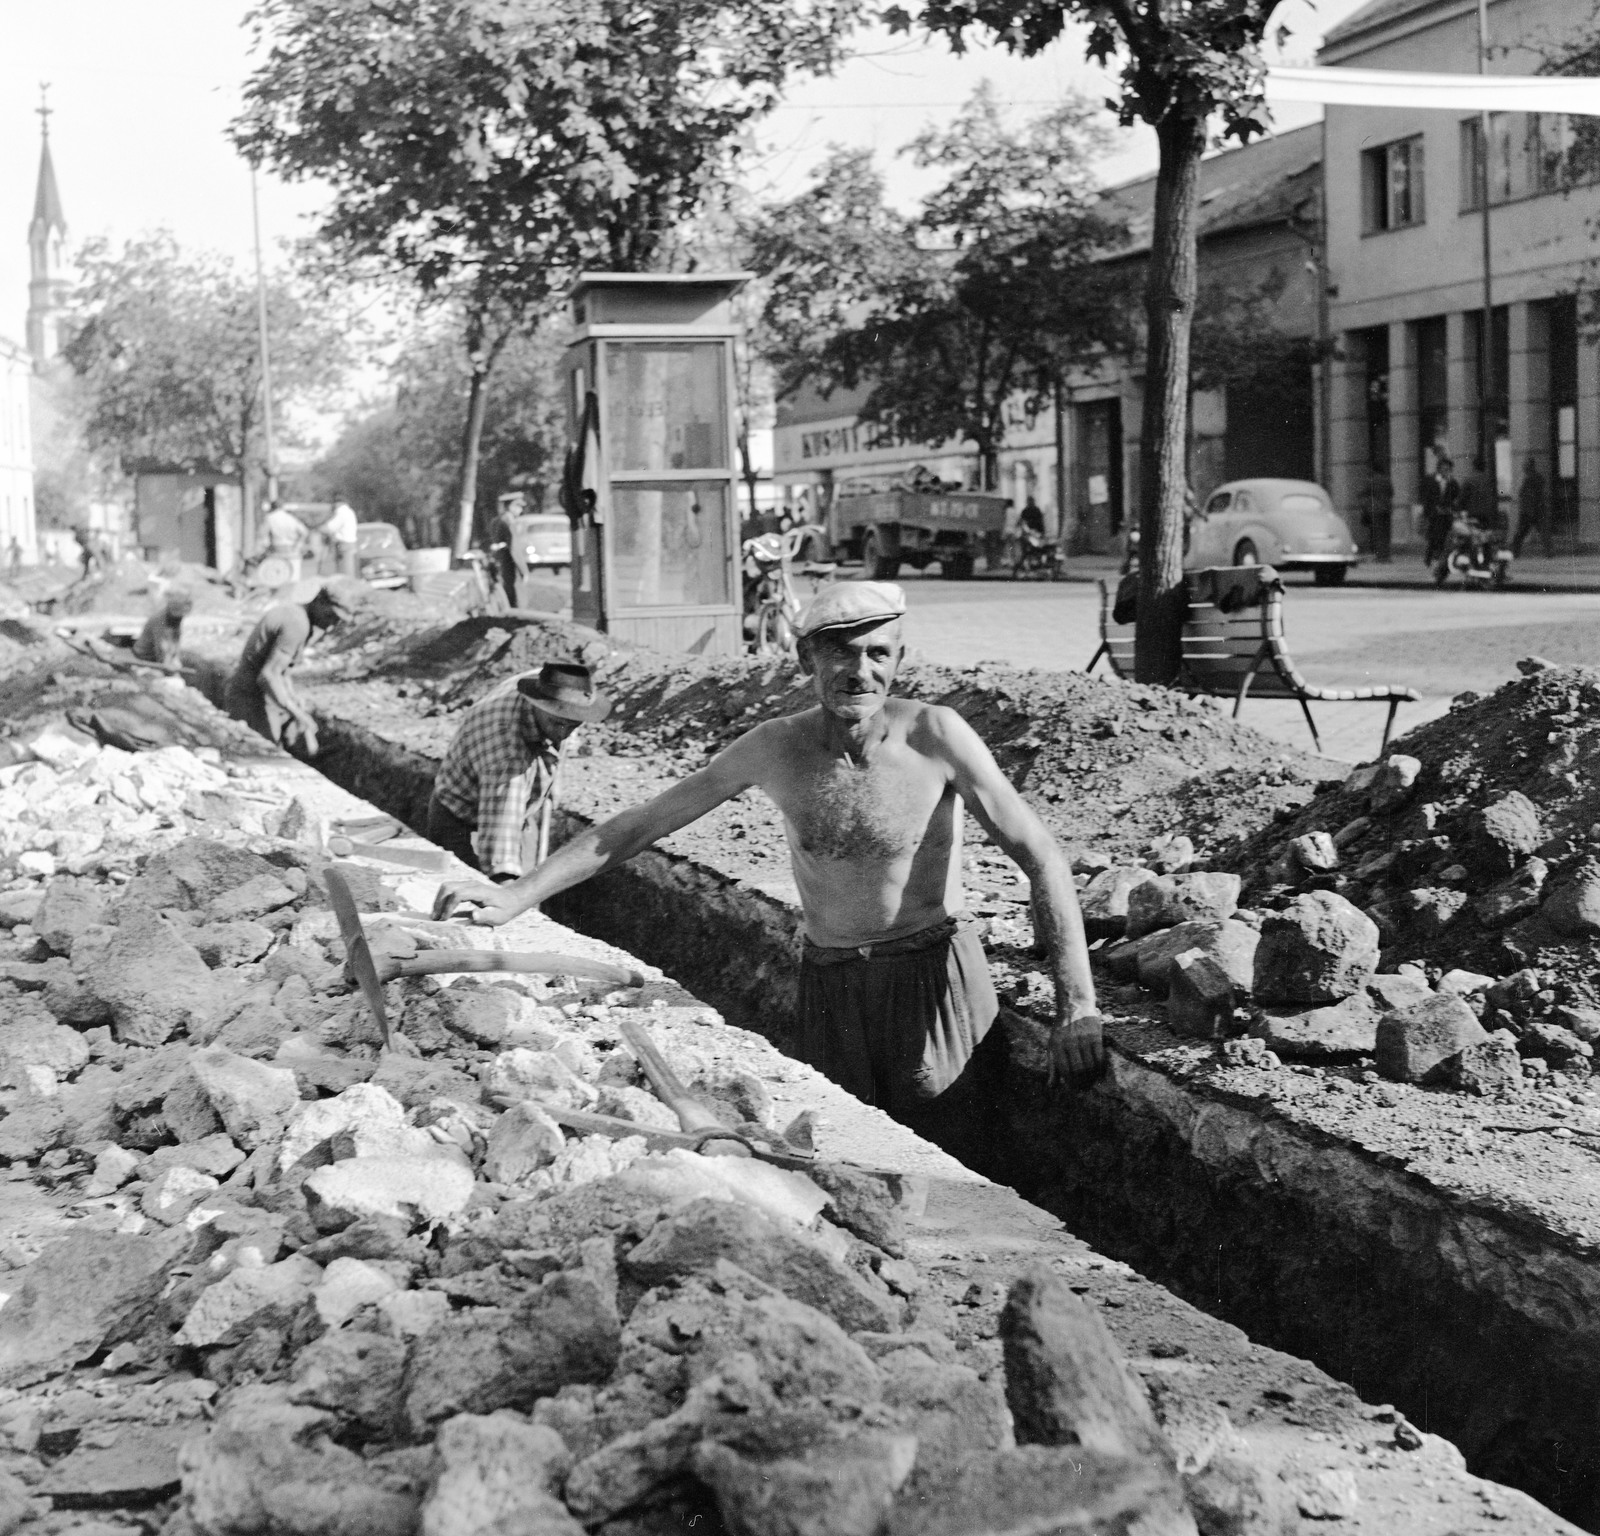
{"type": "Point", "coordinates": [1480, 1323]}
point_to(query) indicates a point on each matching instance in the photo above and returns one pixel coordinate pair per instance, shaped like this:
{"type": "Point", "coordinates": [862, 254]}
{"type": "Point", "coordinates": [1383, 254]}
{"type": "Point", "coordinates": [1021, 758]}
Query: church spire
{"type": "Point", "coordinates": [47, 238]}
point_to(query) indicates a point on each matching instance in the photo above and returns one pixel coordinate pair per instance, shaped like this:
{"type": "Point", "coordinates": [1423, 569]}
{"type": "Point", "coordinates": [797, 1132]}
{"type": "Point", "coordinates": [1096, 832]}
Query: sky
{"type": "Point", "coordinates": [141, 93]}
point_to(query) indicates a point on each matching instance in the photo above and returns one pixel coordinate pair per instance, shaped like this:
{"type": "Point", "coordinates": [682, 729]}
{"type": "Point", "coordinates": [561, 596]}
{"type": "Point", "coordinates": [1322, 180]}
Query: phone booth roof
{"type": "Point", "coordinates": [691, 300]}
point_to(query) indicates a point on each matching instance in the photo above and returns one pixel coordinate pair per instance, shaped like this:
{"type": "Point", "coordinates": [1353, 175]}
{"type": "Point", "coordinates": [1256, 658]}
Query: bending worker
{"type": "Point", "coordinates": [895, 992]}
{"type": "Point", "coordinates": [261, 691]}
{"type": "Point", "coordinates": [499, 774]}
{"type": "Point", "coordinates": [162, 634]}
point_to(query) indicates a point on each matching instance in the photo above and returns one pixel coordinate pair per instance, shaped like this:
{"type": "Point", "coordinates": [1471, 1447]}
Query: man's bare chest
{"type": "Point", "coordinates": [881, 811]}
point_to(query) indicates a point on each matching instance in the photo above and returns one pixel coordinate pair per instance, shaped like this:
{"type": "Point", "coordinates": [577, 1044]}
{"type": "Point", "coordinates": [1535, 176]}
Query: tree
{"type": "Point", "coordinates": [166, 344]}
{"type": "Point", "coordinates": [988, 293]}
{"type": "Point", "coordinates": [1181, 66]}
{"type": "Point", "coordinates": [487, 150]}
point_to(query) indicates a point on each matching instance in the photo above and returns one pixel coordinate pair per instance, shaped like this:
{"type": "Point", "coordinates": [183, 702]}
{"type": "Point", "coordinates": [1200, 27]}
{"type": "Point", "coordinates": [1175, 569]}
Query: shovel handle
{"type": "Point", "coordinates": [454, 962]}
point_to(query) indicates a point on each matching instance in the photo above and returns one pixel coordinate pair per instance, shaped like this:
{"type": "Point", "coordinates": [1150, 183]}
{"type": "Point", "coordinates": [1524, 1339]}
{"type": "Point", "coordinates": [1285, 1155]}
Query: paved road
{"type": "Point", "coordinates": [1440, 643]}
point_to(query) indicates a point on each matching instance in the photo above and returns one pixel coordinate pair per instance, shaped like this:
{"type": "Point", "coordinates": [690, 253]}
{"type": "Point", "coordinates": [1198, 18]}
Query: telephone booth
{"type": "Point", "coordinates": [651, 481]}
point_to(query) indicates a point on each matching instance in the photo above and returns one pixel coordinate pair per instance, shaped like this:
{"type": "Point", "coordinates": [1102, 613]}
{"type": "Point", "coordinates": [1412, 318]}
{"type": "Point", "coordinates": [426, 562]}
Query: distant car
{"type": "Point", "coordinates": [1288, 524]}
{"type": "Point", "coordinates": [546, 539]}
{"type": "Point", "coordinates": [381, 555]}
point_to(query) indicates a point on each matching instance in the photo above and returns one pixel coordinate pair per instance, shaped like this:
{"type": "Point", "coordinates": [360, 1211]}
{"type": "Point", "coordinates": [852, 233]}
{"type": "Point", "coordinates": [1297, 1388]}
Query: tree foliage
{"type": "Point", "coordinates": [166, 345]}
{"type": "Point", "coordinates": [990, 291]}
{"type": "Point", "coordinates": [1181, 67]}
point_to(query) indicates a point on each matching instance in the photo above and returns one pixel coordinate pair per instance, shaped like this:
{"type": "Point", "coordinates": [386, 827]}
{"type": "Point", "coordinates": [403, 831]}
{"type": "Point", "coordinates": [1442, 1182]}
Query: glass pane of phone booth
{"type": "Point", "coordinates": [669, 546]}
{"type": "Point", "coordinates": [666, 406]}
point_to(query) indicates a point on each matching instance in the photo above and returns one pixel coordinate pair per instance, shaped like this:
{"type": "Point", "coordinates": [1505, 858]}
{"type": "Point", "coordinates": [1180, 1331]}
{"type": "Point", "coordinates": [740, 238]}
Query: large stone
{"type": "Point", "coordinates": [256, 897]}
{"type": "Point", "coordinates": [82, 1294]}
{"type": "Point", "coordinates": [498, 1017]}
{"type": "Point", "coordinates": [565, 1330]}
{"type": "Point", "coordinates": [248, 1298]}
{"type": "Point", "coordinates": [499, 1477]}
{"type": "Point", "coordinates": [1504, 833]}
{"type": "Point", "coordinates": [1066, 1381]}
{"type": "Point", "coordinates": [1231, 945]}
{"type": "Point", "coordinates": [1429, 909]}
{"type": "Point", "coordinates": [1573, 908]}
{"type": "Point", "coordinates": [1170, 899]}
{"type": "Point", "coordinates": [29, 1037]}
{"type": "Point", "coordinates": [238, 943]}
{"type": "Point", "coordinates": [1416, 1044]}
{"type": "Point", "coordinates": [692, 1241]}
{"type": "Point", "coordinates": [371, 1115]}
{"type": "Point", "coordinates": [524, 1140]}
{"type": "Point", "coordinates": [120, 1465]}
{"type": "Point", "coordinates": [32, 1127]}
{"type": "Point", "coordinates": [1200, 996]}
{"type": "Point", "coordinates": [68, 908]}
{"type": "Point", "coordinates": [1319, 949]}
{"type": "Point", "coordinates": [151, 980]}
{"type": "Point", "coordinates": [253, 1100]}
{"type": "Point", "coordinates": [1493, 1066]}
{"type": "Point", "coordinates": [844, 1487]}
{"type": "Point", "coordinates": [409, 1189]}
{"type": "Point", "coordinates": [359, 1376]}
{"type": "Point", "coordinates": [268, 1466]}
{"type": "Point", "coordinates": [1555, 1044]}
{"type": "Point", "coordinates": [1104, 900]}
{"type": "Point", "coordinates": [192, 874]}
{"type": "Point", "coordinates": [215, 1154]}
{"type": "Point", "coordinates": [349, 1284]}
{"type": "Point", "coordinates": [1393, 782]}
{"type": "Point", "coordinates": [174, 1192]}
{"type": "Point", "coordinates": [256, 1030]}
{"type": "Point", "coordinates": [865, 1203]}
{"type": "Point", "coordinates": [1037, 1490]}
{"type": "Point", "coordinates": [542, 1075]}
{"type": "Point", "coordinates": [1513, 898]}
{"type": "Point", "coordinates": [1338, 1031]}
{"type": "Point", "coordinates": [951, 1410]}
{"type": "Point", "coordinates": [415, 1082]}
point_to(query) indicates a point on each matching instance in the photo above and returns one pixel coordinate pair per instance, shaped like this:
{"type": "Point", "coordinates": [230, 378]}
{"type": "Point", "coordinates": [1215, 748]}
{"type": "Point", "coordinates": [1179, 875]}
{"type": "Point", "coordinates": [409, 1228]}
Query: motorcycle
{"type": "Point", "coordinates": [1035, 555]}
{"type": "Point", "coordinates": [1475, 555]}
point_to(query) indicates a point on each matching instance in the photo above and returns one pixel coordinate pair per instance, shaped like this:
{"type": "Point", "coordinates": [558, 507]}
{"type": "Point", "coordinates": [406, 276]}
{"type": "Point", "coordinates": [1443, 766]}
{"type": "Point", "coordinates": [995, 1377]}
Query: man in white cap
{"type": "Point", "coordinates": [499, 774]}
{"type": "Point", "coordinates": [894, 989]}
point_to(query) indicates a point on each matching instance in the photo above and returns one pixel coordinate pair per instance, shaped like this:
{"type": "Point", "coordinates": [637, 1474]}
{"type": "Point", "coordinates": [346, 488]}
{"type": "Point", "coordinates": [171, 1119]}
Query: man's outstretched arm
{"type": "Point", "coordinates": [615, 841]}
{"type": "Point", "coordinates": [1077, 1050]}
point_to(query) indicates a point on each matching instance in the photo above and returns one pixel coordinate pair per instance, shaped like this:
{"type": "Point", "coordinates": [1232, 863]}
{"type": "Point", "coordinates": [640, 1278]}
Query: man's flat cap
{"type": "Point", "coordinates": [851, 605]}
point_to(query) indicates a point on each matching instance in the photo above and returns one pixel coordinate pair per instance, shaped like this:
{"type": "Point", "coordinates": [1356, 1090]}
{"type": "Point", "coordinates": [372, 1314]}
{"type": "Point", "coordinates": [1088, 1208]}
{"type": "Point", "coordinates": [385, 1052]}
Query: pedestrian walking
{"type": "Point", "coordinates": [1441, 499]}
{"type": "Point", "coordinates": [15, 556]}
{"type": "Point", "coordinates": [1533, 509]}
{"type": "Point", "coordinates": [1378, 513]}
{"type": "Point", "coordinates": [341, 535]}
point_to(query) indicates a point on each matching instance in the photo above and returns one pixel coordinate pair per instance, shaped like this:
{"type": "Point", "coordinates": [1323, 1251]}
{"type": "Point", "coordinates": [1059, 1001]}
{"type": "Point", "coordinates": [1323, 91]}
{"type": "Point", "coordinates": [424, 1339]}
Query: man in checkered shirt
{"type": "Point", "coordinates": [501, 768]}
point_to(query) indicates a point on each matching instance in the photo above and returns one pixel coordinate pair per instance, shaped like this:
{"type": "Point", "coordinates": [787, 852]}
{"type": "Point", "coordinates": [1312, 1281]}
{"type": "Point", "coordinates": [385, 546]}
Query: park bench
{"type": "Point", "coordinates": [1234, 647]}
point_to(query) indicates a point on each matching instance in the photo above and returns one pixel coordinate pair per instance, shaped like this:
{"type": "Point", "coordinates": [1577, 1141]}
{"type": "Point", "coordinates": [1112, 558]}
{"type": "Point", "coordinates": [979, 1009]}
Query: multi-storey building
{"type": "Point", "coordinates": [16, 454]}
{"type": "Point", "coordinates": [1407, 256]}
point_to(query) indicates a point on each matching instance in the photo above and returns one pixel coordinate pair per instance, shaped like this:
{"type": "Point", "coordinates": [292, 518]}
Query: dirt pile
{"type": "Point", "coordinates": [316, 1284]}
{"type": "Point", "coordinates": [1107, 764]}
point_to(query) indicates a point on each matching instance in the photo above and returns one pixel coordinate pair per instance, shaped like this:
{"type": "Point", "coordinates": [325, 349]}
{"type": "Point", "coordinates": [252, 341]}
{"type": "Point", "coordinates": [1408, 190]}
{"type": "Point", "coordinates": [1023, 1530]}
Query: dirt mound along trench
{"type": "Point", "coordinates": [271, 1275]}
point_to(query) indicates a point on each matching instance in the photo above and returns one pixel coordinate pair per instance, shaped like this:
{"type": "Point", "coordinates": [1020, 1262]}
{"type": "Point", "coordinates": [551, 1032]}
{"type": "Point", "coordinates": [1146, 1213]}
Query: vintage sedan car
{"type": "Point", "coordinates": [546, 539]}
{"type": "Point", "coordinates": [381, 555]}
{"type": "Point", "coordinates": [1287, 524]}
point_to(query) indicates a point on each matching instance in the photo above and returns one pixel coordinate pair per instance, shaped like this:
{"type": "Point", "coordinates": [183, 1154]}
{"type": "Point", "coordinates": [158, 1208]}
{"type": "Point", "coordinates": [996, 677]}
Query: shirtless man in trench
{"type": "Point", "coordinates": [894, 989]}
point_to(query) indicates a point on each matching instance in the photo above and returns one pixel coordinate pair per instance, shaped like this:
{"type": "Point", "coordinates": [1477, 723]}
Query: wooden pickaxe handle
{"type": "Point", "coordinates": [456, 962]}
{"type": "Point", "coordinates": [692, 1114]}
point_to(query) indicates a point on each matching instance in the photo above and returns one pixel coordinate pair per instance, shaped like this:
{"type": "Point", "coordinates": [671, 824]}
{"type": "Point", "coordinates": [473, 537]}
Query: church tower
{"type": "Point", "coordinates": [47, 243]}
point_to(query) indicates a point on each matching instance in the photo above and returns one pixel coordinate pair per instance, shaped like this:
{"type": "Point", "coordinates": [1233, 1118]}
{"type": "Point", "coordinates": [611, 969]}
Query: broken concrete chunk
{"type": "Point", "coordinates": [32, 1127]}
{"type": "Point", "coordinates": [31, 1038]}
{"type": "Point", "coordinates": [1231, 945]}
{"type": "Point", "coordinates": [1170, 899]}
{"type": "Point", "coordinates": [1428, 910]}
{"type": "Point", "coordinates": [215, 1154]}
{"type": "Point", "coordinates": [863, 1203]}
{"type": "Point", "coordinates": [498, 1017]}
{"type": "Point", "coordinates": [1104, 901]}
{"type": "Point", "coordinates": [524, 1074]}
{"type": "Point", "coordinates": [126, 1464]}
{"type": "Point", "coordinates": [1200, 996]}
{"type": "Point", "coordinates": [359, 1376]}
{"type": "Point", "coordinates": [1504, 833]}
{"type": "Point", "coordinates": [1338, 1031]}
{"type": "Point", "coordinates": [1490, 1067]}
{"type": "Point", "coordinates": [951, 1410]}
{"type": "Point", "coordinates": [485, 1358]}
{"type": "Point", "coordinates": [1416, 1043]}
{"type": "Point", "coordinates": [1315, 852]}
{"type": "Point", "coordinates": [409, 1189]}
{"type": "Point", "coordinates": [370, 1114]}
{"type": "Point", "coordinates": [67, 908]}
{"type": "Point", "coordinates": [691, 1242]}
{"type": "Point", "coordinates": [347, 1285]}
{"type": "Point", "coordinates": [498, 1474]}
{"type": "Point", "coordinates": [1573, 908]}
{"type": "Point", "coordinates": [193, 873]}
{"type": "Point", "coordinates": [173, 1193]}
{"type": "Point", "coordinates": [248, 1298]}
{"type": "Point", "coordinates": [1513, 898]}
{"type": "Point", "coordinates": [1319, 949]}
{"type": "Point", "coordinates": [524, 1140]}
{"type": "Point", "coordinates": [151, 980]}
{"type": "Point", "coordinates": [256, 897]}
{"type": "Point", "coordinates": [227, 944]}
{"type": "Point", "coordinates": [1393, 782]}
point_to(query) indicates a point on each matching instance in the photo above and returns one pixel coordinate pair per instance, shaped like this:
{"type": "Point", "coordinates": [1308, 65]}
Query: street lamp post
{"type": "Point", "coordinates": [1486, 375]}
{"type": "Point", "coordinates": [269, 443]}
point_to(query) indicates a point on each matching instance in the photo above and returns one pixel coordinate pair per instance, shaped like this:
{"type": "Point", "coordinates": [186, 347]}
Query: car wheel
{"type": "Point", "coordinates": [877, 565]}
{"type": "Point", "coordinates": [1244, 553]}
{"type": "Point", "coordinates": [1330, 575]}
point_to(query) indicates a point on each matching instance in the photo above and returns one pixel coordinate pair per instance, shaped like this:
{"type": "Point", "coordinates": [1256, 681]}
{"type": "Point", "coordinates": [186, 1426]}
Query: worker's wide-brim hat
{"type": "Point", "coordinates": [566, 690]}
{"type": "Point", "coordinates": [851, 605]}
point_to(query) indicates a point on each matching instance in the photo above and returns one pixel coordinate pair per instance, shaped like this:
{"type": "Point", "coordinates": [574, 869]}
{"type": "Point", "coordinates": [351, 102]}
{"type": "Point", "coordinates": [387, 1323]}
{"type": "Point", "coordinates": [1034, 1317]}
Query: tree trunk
{"type": "Point", "coordinates": [1170, 288]}
{"type": "Point", "coordinates": [746, 469]}
{"type": "Point", "coordinates": [472, 434]}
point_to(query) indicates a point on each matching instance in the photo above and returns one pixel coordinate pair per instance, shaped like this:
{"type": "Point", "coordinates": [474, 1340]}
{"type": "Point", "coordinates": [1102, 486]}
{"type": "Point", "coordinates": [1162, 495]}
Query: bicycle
{"type": "Point", "coordinates": [770, 598]}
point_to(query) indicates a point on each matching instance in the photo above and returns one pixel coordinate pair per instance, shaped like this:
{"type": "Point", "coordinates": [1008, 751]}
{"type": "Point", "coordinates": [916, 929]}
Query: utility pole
{"type": "Point", "coordinates": [271, 447]}
{"type": "Point", "coordinates": [1486, 373]}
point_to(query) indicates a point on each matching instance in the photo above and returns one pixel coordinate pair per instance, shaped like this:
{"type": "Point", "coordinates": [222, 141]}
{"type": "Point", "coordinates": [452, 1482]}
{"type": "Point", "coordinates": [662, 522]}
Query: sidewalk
{"type": "Point", "coordinates": [1532, 573]}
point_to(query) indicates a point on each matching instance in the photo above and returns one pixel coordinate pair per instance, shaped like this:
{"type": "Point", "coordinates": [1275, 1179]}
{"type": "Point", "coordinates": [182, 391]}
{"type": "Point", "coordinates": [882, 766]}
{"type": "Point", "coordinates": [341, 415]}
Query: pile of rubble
{"type": "Point", "coordinates": [286, 1279]}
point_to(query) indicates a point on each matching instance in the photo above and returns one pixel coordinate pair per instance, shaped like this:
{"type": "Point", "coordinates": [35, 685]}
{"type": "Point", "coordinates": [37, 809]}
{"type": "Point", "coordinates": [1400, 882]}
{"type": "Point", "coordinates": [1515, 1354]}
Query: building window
{"type": "Point", "coordinates": [1529, 153]}
{"type": "Point", "coordinates": [1391, 185]}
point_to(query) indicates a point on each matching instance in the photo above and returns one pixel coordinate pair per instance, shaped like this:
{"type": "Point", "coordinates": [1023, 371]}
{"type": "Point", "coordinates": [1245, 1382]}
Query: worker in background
{"type": "Point", "coordinates": [284, 537]}
{"type": "Point", "coordinates": [1533, 509]}
{"type": "Point", "coordinates": [340, 532]}
{"type": "Point", "coordinates": [1378, 512]}
{"type": "Point", "coordinates": [261, 691]}
{"type": "Point", "coordinates": [895, 993]}
{"type": "Point", "coordinates": [497, 784]}
{"type": "Point", "coordinates": [87, 552]}
{"type": "Point", "coordinates": [162, 634]}
{"type": "Point", "coordinates": [1441, 497]}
